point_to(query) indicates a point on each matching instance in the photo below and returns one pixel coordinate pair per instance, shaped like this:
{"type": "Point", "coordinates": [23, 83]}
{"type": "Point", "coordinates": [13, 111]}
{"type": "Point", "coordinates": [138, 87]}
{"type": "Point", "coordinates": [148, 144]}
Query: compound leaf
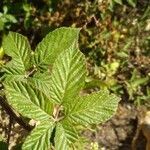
{"type": "Point", "coordinates": [68, 75]}
{"type": "Point", "coordinates": [94, 108]}
{"type": "Point", "coordinates": [39, 139]}
{"type": "Point", "coordinates": [32, 96]}
{"type": "Point", "coordinates": [65, 136]}
{"type": "Point", "coordinates": [53, 44]}
{"type": "Point", "coordinates": [28, 101]}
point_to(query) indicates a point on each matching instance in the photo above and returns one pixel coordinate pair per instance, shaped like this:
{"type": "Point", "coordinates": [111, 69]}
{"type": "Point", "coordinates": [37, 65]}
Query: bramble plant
{"type": "Point", "coordinates": [44, 85]}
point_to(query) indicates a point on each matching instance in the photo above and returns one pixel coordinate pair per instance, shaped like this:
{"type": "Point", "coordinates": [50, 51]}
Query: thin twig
{"type": "Point", "coordinates": [9, 128]}
{"type": "Point", "coordinates": [31, 72]}
{"type": "Point", "coordinates": [16, 117]}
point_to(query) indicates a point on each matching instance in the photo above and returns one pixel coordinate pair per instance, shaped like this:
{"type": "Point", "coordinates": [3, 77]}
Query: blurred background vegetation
{"type": "Point", "coordinates": [115, 38]}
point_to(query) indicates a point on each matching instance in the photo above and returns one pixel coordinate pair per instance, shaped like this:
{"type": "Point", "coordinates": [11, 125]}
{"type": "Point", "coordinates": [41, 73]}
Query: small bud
{"type": "Point", "coordinates": [1, 53]}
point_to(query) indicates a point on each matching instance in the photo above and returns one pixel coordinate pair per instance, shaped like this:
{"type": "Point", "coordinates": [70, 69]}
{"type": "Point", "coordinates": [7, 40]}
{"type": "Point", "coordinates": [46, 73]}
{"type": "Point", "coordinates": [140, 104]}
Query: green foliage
{"type": "Point", "coordinates": [3, 145]}
{"type": "Point", "coordinates": [112, 3]}
{"type": "Point", "coordinates": [39, 139]}
{"type": "Point", "coordinates": [63, 36]}
{"type": "Point", "coordinates": [91, 109]}
{"type": "Point", "coordinates": [117, 43]}
{"type": "Point", "coordinates": [132, 2]}
{"type": "Point", "coordinates": [18, 47]}
{"type": "Point", "coordinates": [68, 69]}
{"type": "Point", "coordinates": [6, 19]}
{"type": "Point", "coordinates": [45, 86]}
{"type": "Point", "coordinates": [115, 31]}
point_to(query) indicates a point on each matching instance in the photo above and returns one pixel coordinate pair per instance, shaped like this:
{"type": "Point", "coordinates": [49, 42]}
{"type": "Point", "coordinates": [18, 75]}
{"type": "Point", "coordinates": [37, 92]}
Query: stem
{"type": "Point", "coordinates": [16, 117]}
{"type": "Point", "coordinates": [31, 72]}
{"type": "Point", "coordinates": [59, 119]}
{"type": "Point", "coordinates": [135, 138]}
{"type": "Point", "coordinates": [56, 112]}
{"type": "Point", "coordinates": [9, 129]}
{"type": "Point", "coordinates": [148, 145]}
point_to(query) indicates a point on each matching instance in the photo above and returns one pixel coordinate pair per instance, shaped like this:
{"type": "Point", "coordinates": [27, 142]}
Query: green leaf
{"type": "Point", "coordinates": [10, 18]}
{"type": "Point", "coordinates": [132, 2]}
{"type": "Point", "coordinates": [94, 108]}
{"type": "Point", "coordinates": [17, 46]}
{"type": "Point", "coordinates": [53, 44]}
{"type": "Point", "coordinates": [2, 24]}
{"type": "Point", "coordinates": [39, 139]}
{"type": "Point", "coordinates": [111, 5]}
{"type": "Point", "coordinates": [68, 76]}
{"type": "Point", "coordinates": [139, 81]}
{"type": "Point", "coordinates": [28, 101]}
{"type": "Point", "coordinates": [65, 136]}
{"type": "Point", "coordinates": [118, 1]}
{"type": "Point", "coordinates": [41, 81]}
{"type": "Point", "coordinates": [3, 145]}
{"type": "Point", "coordinates": [13, 74]}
